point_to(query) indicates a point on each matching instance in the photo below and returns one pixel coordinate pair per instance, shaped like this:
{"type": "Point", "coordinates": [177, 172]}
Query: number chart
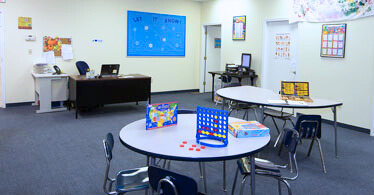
{"type": "Point", "coordinates": [212, 124]}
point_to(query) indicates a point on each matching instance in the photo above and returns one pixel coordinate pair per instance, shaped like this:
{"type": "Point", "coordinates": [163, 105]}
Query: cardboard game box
{"type": "Point", "coordinates": [248, 129]}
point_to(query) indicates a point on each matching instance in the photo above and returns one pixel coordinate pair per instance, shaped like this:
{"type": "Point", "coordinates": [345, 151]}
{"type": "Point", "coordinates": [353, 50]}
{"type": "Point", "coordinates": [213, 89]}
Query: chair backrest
{"type": "Point", "coordinates": [291, 139]}
{"type": "Point", "coordinates": [82, 67]}
{"type": "Point", "coordinates": [183, 184]}
{"type": "Point", "coordinates": [309, 126]}
{"type": "Point", "coordinates": [186, 111]}
{"type": "Point", "coordinates": [226, 78]}
{"type": "Point", "coordinates": [108, 146]}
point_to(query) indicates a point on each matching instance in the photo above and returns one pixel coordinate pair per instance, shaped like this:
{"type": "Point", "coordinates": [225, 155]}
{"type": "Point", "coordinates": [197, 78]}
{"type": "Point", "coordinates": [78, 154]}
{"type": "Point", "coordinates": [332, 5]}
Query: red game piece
{"type": "Point", "coordinates": [194, 145]}
{"type": "Point", "coordinates": [181, 145]}
{"type": "Point", "coordinates": [184, 142]}
{"type": "Point", "coordinates": [190, 149]}
{"type": "Point", "coordinates": [197, 149]}
{"type": "Point", "coordinates": [202, 147]}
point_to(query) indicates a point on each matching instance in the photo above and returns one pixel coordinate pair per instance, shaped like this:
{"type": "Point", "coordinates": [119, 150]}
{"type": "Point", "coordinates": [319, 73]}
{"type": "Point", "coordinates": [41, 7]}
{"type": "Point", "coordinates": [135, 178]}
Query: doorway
{"type": "Point", "coordinates": [211, 55]}
{"type": "Point", "coordinates": [2, 66]}
{"type": "Point", "coordinates": [280, 53]}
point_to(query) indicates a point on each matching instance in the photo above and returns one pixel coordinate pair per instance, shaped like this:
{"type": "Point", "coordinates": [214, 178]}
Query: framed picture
{"type": "Point", "coordinates": [238, 28]}
{"type": "Point", "coordinates": [217, 43]}
{"type": "Point", "coordinates": [333, 40]}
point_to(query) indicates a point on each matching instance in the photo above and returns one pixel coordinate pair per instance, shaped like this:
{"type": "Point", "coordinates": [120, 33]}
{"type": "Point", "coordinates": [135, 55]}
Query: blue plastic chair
{"type": "Point", "coordinates": [126, 180]}
{"type": "Point", "coordinates": [166, 182]}
{"type": "Point", "coordinates": [82, 67]}
{"type": "Point", "coordinates": [267, 168]}
{"type": "Point", "coordinates": [309, 127]}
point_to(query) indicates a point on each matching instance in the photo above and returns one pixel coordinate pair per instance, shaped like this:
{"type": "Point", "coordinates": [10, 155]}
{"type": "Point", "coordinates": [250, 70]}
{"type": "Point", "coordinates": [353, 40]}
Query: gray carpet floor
{"type": "Point", "coordinates": [54, 153]}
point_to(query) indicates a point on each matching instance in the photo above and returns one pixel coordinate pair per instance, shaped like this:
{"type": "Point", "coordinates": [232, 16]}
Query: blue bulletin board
{"type": "Point", "coordinates": [151, 34]}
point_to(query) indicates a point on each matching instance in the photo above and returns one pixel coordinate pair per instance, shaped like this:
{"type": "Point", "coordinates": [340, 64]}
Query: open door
{"type": "Point", "coordinates": [211, 55]}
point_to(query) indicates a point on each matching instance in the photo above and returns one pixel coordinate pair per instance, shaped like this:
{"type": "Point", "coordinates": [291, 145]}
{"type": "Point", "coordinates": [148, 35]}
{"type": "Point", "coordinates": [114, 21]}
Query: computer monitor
{"type": "Point", "coordinates": [246, 61]}
{"type": "Point", "coordinates": [109, 69]}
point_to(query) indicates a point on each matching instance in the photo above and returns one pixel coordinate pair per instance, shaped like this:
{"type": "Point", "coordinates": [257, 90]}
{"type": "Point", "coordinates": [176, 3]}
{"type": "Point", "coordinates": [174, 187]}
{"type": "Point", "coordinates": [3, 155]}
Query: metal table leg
{"type": "Point", "coordinates": [224, 176]}
{"type": "Point", "coordinates": [262, 113]}
{"type": "Point", "coordinates": [253, 172]}
{"type": "Point", "coordinates": [336, 131]}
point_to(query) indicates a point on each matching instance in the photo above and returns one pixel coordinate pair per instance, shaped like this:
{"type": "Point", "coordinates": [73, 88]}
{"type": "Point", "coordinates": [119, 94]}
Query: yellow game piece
{"type": "Point", "coordinates": [215, 134]}
{"type": "Point", "coordinates": [224, 136]}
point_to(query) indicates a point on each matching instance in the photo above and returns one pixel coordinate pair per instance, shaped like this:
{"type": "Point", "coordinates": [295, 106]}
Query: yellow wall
{"type": "Point", "coordinates": [85, 20]}
{"type": "Point", "coordinates": [349, 80]}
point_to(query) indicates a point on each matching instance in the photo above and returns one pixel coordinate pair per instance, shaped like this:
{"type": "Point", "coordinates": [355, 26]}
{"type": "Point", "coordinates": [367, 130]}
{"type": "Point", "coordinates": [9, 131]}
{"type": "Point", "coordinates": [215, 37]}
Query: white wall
{"type": "Point", "coordinates": [349, 80]}
{"type": "Point", "coordinates": [85, 20]}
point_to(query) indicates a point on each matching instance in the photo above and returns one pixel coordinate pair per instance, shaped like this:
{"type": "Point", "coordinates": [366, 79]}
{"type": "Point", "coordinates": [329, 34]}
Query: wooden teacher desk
{"type": "Point", "coordinates": [86, 92]}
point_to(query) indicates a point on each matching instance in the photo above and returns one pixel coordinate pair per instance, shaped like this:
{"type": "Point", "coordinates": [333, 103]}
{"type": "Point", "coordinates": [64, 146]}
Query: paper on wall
{"type": "Point", "coordinates": [66, 52]}
{"type": "Point", "coordinates": [49, 57]}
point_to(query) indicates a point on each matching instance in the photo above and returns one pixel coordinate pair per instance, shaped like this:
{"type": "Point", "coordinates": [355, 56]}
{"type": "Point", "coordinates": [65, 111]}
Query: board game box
{"type": "Point", "coordinates": [161, 115]}
{"type": "Point", "coordinates": [248, 129]}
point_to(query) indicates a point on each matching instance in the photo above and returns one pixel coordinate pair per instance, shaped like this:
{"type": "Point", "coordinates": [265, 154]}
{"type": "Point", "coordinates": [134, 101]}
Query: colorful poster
{"type": "Point", "coordinates": [238, 28]}
{"type": "Point", "coordinates": [333, 40]}
{"type": "Point", "coordinates": [329, 10]}
{"type": "Point", "coordinates": [152, 34]}
{"type": "Point", "coordinates": [161, 115]}
{"type": "Point", "coordinates": [24, 23]}
{"type": "Point", "coordinates": [283, 45]}
{"type": "Point", "coordinates": [52, 44]}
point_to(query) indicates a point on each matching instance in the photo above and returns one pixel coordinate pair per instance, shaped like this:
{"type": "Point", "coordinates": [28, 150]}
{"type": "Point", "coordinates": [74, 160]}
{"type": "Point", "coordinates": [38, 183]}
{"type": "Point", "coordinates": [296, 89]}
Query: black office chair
{"type": "Point", "coordinates": [309, 127]}
{"type": "Point", "coordinates": [166, 182]}
{"type": "Point", "coordinates": [269, 169]}
{"type": "Point", "coordinates": [82, 67]}
{"type": "Point", "coordinates": [127, 180]}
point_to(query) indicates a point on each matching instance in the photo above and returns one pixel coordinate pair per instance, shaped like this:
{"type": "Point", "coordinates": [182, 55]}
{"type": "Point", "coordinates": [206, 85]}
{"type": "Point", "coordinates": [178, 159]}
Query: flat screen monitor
{"type": "Point", "coordinates": [109, 69]}
{"type": "Point", "coordinates": [246, 61]}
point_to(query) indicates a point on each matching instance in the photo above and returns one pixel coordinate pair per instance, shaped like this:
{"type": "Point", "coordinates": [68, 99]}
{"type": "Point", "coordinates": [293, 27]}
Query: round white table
{"type": "Point", "coordinates": [261, 97]}
{"type": "Point", "coordinates": [165, 142]}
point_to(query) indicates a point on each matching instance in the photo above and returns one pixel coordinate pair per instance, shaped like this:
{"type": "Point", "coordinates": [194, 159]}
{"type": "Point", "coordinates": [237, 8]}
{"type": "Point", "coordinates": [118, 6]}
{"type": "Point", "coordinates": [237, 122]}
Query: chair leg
{"type": "Point", "coordinates": [278, 138]}
{"type": "Point", "coordinates": [310, 147]}
{"type": "Point", "coordinates": [288, 186]}
{"type": "Point", "coordinates": [255, 114]}
{"type": "Point", "coordinates": [290, 159]}
{"type": "Point", "coordinates": [245, 114]}
{"type": "Point", "coordinates": [279, 187]}
{"type": "Point", "coordinates": [235, 178]}
{"type": "Point", "coordinates": [320, 152]}
{"type": "Point", "coordinates": [164, 164]}
{"type": "Point", "coordinates": [169, 162]}
{"type": "Point", "coordinates": [276, 126]}
{"type": "Point", "coordinates": [242, 185]}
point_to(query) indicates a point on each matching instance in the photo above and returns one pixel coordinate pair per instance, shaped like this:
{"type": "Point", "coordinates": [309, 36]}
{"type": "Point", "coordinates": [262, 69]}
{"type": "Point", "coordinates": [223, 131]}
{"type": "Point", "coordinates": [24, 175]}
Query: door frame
{"type": "Point", "coordinates": [203, 51]}
{"type": "Point", "coordinates": [265, 41]}
{"type": "Point", "coordinates": [2, 56]}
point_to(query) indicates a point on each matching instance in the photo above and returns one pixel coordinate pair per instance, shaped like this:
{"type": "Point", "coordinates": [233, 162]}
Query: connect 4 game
{"type": "Point", "coordinates": [212, 124]}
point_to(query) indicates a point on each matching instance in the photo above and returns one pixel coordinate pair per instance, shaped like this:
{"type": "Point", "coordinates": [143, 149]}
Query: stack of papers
{"type": "Point", "coordinates": [277, 101]}
{"type": "Point", "coordinates": [289, 102]}
{"type": "Point", "coordinates": [299, 103]}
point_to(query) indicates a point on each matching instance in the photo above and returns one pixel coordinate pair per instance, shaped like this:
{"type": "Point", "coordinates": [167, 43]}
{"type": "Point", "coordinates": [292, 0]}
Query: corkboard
{"type": "Point", "coordinates": [54, 44]}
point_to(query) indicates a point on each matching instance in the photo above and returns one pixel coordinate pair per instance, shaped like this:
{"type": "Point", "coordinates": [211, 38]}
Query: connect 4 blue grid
{"type": "Point", "coordinates": [212, 124]}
